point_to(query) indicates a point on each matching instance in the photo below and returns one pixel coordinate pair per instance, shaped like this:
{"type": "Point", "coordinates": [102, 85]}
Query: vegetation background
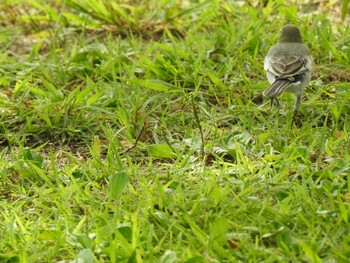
{"type": "Point", "coordinates": [135, 131]}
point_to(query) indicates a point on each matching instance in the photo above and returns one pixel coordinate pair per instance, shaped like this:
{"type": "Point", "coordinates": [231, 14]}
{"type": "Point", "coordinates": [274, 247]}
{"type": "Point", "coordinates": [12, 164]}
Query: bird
{"type": "Point", "coordinates": [288, 67]}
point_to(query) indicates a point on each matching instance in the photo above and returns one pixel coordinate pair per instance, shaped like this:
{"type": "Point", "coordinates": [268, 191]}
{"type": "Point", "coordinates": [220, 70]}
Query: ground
{"type": "Point", "coordinates": [135, 131]}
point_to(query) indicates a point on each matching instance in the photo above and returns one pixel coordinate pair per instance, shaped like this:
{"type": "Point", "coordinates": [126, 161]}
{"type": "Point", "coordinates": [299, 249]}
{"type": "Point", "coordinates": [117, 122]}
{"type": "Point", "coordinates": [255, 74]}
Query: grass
{"type": "Point", "coordinates": [136, 132]}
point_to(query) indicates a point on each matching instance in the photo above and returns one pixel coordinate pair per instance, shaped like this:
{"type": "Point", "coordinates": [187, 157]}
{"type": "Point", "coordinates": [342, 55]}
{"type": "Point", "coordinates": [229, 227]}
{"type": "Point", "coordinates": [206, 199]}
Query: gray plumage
{"type": "Point", "coordinates": [288, 66]}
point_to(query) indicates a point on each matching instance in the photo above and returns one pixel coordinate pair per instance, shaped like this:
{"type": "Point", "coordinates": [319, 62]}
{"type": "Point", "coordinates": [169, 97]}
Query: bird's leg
{"type": "Point", "coordinates": [274, 99]}
{"type": "Point", "coordinates": [293, 119]}
{"type": "Point", "coordinates": [277, 102]}
{"type": "Point", "coordinates": [296, 108]}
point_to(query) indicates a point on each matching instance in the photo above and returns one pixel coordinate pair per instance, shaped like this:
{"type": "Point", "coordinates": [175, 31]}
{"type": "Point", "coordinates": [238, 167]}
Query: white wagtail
{"type": "Point", "coordinates": [288, 66]}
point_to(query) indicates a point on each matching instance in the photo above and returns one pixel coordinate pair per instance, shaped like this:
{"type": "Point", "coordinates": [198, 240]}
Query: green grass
{"type": "Point", "coordinates": [136, 132]}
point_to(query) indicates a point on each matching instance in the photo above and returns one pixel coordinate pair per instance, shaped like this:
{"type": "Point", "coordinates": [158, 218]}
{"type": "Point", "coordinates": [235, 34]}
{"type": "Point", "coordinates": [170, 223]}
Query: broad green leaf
{"type": "Point", "coordinates": [85, 256]}
{"type": "Point", "coordinates": [344, 8]}
{"type": "Point", "coordinates": [219, 230]}
{"type": "Point", "coordinates": [161, 151]}
{"type": "Point", "coordinates": [34, 157]}
{"type": "Point", "coordinates": [310, 252]}
{"type": "Point", "coordinates": [117, 184]}
{"type": "Point", "coordinates": [35, 50]}
{"type": "Point", "coordinates": [168, 257]}
{"type": "Point", "coordinates": [195, 259]}
{"type": "Point", "coordinates": [154, 84]}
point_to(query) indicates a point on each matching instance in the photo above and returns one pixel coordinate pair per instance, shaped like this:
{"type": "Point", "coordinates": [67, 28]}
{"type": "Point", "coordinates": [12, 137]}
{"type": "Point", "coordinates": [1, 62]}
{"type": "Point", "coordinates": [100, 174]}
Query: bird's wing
{"type": "Point", "coordinates": [287, 67]}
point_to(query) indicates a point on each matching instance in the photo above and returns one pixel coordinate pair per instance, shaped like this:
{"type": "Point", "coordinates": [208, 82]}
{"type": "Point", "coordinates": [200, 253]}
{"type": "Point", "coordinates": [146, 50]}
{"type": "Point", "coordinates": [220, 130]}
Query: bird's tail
{"type": "Point", "coordinates": [277, 88]}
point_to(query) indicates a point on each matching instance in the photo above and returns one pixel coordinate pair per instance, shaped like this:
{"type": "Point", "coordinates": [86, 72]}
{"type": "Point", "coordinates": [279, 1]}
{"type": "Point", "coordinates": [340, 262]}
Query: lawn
{"type": "Point", "coordinates": [135, 131]}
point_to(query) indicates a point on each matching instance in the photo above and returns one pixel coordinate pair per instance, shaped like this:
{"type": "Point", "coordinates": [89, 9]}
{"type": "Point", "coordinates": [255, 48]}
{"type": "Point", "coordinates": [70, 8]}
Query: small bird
{"type": "Point", "coordinates": [288, 66]}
